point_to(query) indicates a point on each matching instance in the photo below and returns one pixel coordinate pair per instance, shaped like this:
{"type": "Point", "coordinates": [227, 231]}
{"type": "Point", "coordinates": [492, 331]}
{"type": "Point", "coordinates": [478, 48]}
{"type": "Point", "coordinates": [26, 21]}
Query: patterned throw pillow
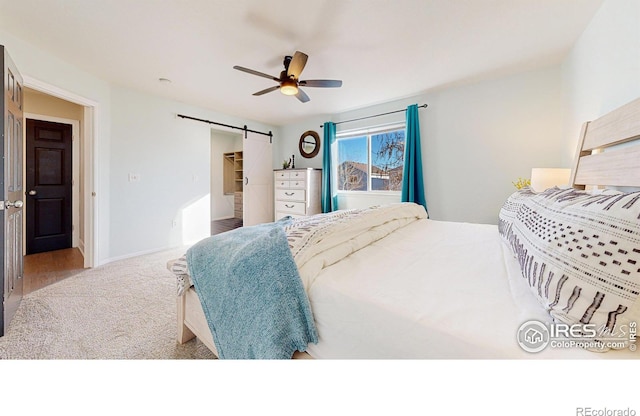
{"type": "Point", "coordinates": [580, 255]}
{"type": "Point", "coordinates": [509, 211]}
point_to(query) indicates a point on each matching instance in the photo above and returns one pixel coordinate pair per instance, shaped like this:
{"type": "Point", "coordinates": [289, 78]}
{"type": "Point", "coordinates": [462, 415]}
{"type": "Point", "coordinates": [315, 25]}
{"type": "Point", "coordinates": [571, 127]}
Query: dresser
{"type": "Point", "coordinates": [297, 192]}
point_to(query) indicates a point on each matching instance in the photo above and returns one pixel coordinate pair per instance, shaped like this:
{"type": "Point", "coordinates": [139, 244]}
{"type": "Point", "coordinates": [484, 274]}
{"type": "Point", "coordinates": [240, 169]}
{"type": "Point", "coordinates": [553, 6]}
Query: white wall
{"type": "Point", "coordinates": [602, 71]}
{"type": "Point", "coordinates": [476, 140]}
{"type": "Point", "coordinates": [482, 137]}
{"type": "Point", "coordinates": [170, 204]}
{"type": "Point", "coordinates": [171, 158]}
{"type": "Point", "coordinates": [286, 143]}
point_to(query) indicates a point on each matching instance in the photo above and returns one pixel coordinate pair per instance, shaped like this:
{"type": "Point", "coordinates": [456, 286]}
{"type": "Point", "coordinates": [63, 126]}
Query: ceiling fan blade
{"type": "Point", "coordinates": [267, 90]}
{"type": "Point", "coordinates": [302, 96]}
{"type": "Point", "coordinates": [297, 64]}
{"type": "Point", "coordinates": [260, 74]}
{"type": "Point", "coordinates": [322, 83]}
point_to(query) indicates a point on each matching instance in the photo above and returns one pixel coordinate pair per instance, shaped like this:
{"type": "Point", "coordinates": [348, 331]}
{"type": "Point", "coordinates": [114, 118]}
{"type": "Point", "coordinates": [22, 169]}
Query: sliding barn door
{"type": "Point", "coordinates": [257, 202]}
{"type": "Point", "coordinates": [11, 270]}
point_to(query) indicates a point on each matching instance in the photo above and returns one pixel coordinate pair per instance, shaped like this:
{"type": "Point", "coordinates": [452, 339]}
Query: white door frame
{"type": "Point", "coordinates": [90, 182]}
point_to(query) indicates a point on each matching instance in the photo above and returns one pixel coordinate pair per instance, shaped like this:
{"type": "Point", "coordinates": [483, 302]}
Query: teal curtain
{"type": "Point", "coordinates": [412, 180]}
{"type": "Point", "coordinates": [329, 200]}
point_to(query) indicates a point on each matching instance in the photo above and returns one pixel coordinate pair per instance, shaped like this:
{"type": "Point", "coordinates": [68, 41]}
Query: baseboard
{"type": "Point", "coordinates": [223, 218]}
{"type": "Point", "coordinates": [80, 246]}
{"type": "Point", "coordinates": [139, 253]}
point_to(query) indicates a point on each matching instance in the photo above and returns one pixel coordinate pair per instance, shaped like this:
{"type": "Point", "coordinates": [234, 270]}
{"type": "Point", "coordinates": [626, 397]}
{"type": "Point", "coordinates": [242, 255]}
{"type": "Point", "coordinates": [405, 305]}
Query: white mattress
{"type": "Point", "coordinates": [431, 289]}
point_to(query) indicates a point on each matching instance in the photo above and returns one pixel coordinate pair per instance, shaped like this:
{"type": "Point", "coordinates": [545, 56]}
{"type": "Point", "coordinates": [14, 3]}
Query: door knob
{"type": "Point", "coordinates": [32, 192]}
{"type": "Point", "coordinates": [15, 204]}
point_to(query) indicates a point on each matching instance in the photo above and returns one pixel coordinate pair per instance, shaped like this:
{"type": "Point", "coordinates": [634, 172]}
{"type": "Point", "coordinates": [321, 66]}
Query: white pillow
{"type": "Point", "coordinates": [580, 254]}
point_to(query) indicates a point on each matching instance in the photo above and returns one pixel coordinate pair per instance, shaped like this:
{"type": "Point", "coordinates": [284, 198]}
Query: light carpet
{"type": "Point", "coordinates": [122, 310]}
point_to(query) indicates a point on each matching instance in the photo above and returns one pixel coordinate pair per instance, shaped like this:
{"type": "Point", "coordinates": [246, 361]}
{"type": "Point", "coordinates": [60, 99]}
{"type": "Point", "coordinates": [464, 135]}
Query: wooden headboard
{"type": "Point", "coordinates": [594, 165]}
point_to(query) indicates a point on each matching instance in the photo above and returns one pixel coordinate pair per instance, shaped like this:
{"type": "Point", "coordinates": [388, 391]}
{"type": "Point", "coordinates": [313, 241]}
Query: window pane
{"type": "Point", "coordinates": [387, 161]}
{"type": "Point", "coordinates": [352, 164]}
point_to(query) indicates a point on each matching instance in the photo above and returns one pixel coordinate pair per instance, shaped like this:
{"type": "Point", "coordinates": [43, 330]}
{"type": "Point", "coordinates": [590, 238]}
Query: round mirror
{"type": "Point", "coordinates": [309, 145]}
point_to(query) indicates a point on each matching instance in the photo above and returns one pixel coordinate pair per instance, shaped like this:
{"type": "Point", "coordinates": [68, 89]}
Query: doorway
{"type": "Point", "coordinates": [226, 181]}
{"type": "Point", "coordinates": [88, 137]}
{"type": "Point", "coordinates": [54, 188]}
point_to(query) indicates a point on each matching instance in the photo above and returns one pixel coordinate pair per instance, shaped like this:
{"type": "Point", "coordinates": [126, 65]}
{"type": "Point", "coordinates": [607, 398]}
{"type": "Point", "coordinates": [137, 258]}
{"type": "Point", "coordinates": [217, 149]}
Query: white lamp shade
{"type": "Point", "coordinates": [545, 178]}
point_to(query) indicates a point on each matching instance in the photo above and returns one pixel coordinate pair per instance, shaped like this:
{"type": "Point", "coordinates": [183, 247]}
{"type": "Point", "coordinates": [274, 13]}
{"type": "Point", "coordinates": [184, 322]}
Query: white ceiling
{"type": "Point", "coordinates": [381, 49]}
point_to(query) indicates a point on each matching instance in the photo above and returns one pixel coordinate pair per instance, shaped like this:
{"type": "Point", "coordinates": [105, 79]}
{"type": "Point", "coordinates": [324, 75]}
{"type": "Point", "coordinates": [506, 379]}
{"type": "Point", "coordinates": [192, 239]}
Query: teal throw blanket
{"type": "Point", "coordinates": [251, 293]}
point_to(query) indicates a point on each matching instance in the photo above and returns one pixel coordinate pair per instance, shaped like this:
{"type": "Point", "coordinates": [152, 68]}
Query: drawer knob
{"type": "Point", "coordinates": [289, 193]}
{"type": "Point", "coordinates": [289, 206]}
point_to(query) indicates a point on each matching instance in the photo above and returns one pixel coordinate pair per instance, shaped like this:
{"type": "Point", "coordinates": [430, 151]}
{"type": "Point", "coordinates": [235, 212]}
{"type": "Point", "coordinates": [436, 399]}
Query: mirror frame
{"type": "Point", "coordinates": [303, 139]}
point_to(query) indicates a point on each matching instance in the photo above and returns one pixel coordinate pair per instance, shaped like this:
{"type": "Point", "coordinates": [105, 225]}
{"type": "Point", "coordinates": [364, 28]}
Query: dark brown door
{"type": "Point", "coordinates": [11, 260]}
{"type": "Point", "coordinates": [49, 185]}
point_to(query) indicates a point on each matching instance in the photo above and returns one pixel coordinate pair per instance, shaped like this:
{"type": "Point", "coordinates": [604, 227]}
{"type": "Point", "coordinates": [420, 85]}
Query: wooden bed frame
{"type": "Point", "coordinates": [597, 163]}
{"type": "Point", "coordinates": [192, 323]}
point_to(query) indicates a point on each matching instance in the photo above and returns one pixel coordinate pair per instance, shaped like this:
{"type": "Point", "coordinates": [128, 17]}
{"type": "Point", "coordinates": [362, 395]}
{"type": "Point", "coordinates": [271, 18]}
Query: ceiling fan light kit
{"type": "Point", "coordinates": [289, 87]}
{"type": "Point", "coordinates": [289, 80]}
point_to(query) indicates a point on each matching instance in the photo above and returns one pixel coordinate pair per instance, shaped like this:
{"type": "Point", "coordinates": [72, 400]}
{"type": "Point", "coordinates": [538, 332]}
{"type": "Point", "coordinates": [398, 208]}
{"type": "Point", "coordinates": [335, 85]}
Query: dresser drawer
{"type": "Point", "coordinates": [291, 195]}
{"type": "Point", "coordinates": [300, 175]}
{"type": "Point", "coordinates": [282, 184]}
{"type": "Point", "coordinates": [281, 174]}
{"type": "Point", "coordinates": [291, 207]}
{"type": "Point", "coordinates": [298, 184]}
{"type": "Point", "coordinates": [280, 215]}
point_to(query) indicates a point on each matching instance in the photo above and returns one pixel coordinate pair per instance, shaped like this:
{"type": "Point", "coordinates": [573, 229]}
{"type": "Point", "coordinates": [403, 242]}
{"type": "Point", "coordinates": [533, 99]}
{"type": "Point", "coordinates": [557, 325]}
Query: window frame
{"type": "Point", "coordinates": [368, 132]}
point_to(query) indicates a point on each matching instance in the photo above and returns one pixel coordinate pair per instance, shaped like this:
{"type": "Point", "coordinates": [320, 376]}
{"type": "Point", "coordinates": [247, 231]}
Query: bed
{"type": "Point", "coordinates": [558, 277]}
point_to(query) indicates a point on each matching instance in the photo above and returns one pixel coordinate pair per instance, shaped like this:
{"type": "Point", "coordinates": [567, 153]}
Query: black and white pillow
{"type": "Point", "coordinates": [580, 255]}
{"type": "Point", "coordinates": [180, 269]}
{"type": "Point", "coordinates": [509, 212]}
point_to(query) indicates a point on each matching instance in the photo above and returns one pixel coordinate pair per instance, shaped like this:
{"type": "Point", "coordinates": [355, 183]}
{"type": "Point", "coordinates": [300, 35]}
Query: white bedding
{"type": "Point", "coordinates": [386, 282]}
{"type": "Point", "coordinates": [380, 302]}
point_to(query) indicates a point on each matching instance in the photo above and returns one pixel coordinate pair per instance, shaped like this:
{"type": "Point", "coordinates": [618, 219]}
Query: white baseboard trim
{"type": "Point", "coordinates": [139, 253]}
{"type": "Point", "coordinates": [223, 218]}
{"type": "Point", "coordinates": [80, 246]}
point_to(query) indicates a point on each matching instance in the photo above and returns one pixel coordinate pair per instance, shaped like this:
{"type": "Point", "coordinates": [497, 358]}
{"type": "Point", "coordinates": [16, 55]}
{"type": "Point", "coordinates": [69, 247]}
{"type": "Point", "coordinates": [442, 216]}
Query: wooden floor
{"type": "Point", "coordinates": [220, 226]}
{"type": "Point", "coordinates": [42, 269]}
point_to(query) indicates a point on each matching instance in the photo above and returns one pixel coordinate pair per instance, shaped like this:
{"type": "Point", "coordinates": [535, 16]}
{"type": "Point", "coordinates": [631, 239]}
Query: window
{"type": "Point", "coordinates": [371, 161]}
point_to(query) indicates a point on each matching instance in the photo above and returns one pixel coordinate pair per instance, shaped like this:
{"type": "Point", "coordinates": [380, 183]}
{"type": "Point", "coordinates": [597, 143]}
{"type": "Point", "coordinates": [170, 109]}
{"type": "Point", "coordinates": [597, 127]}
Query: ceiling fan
{"type": "Point", "coordinates": [289, 82]}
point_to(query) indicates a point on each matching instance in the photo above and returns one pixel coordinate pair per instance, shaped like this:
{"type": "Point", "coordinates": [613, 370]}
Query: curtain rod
{"type": "Point", "coordinates": [245, 129]}
{"type": "Point", "coordinates": [376, 115]}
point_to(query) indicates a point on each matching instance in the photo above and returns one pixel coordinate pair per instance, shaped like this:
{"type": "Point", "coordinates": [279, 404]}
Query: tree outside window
{"type": "Point", "coordinates": [371, 162]}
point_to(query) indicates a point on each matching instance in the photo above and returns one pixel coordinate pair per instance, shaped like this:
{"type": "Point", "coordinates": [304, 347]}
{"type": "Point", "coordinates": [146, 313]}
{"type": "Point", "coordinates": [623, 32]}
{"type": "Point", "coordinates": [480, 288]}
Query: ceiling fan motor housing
{"type": "Point", "coordinates": [284, 76]}
{"type": "Point", "coordinates": [286, 62]}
